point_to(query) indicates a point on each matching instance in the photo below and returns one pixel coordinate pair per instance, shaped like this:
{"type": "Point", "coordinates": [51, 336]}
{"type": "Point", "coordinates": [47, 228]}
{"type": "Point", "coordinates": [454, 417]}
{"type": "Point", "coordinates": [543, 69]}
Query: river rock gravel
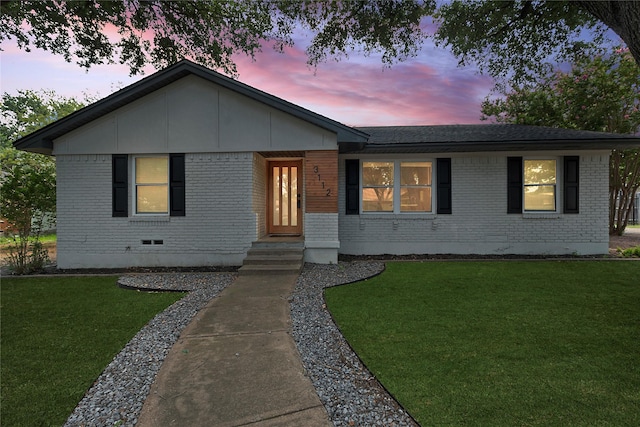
{"type": "Point", "coordinates": [116, 398]}
{"type": "Point", "coordinates": [350, 394]}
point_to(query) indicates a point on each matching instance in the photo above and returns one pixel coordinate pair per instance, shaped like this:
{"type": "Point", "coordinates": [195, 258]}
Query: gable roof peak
{"type": "Point", "coordinates": [41, 141]}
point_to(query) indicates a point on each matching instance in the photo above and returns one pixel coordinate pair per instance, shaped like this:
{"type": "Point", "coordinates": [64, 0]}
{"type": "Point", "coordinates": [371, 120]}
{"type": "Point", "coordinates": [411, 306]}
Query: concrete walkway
{"type": "Point", "coordinates": [236, 364]}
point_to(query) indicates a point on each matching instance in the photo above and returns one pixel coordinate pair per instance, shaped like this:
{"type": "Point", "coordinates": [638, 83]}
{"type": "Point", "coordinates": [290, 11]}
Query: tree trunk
{"type": "Point", "coordinates": [624, 181]}
{"type": "Point", "coordinates": [623, 17]}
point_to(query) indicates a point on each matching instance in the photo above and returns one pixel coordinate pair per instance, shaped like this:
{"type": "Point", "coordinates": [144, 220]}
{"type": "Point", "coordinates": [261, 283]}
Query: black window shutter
{"type": "Point", "coordinates": [119, 180]}
{"type": "Point", "coordinates": [514, 185]}
{"type": "Point", "coordinates": [352, 179]}
{"type": "Point", "coordinates": [571, 187]}
{"type": "Point", "coordinates": [176, 185]}
{"type": "Point", "coordinates": [444, 185]}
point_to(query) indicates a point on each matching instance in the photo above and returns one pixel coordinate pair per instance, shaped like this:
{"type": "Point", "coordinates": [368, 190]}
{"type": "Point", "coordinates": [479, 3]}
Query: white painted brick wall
{"type": "Point", "coordinates": [321, 237]}
{"type": "Point", "coordinates": [260, 194]}
{"type": "Point", "coordinates": [479, 223]}
{"type": "Point", "coordinates": [218, 228]}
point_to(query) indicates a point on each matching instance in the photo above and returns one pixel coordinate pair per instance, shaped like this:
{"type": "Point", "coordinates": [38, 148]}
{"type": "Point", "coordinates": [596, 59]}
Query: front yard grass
{"type": "Point", "coordinates": [501, 343]}
{"type": "Point", "coordinates": [57, 336]}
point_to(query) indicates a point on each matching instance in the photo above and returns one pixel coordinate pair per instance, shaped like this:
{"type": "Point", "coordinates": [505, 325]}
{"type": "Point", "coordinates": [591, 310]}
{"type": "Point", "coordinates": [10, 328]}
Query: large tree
{"type": "Point", "coordinates": [516, 40]}
{"type": "Point", "coordinates": [28, 180]}
{"type": "Point", "coordinates": [209, 32]}
{"type": "Point", "coordinates": [601, 93]}
{"type": "Point", "coordinates": [502, 36]}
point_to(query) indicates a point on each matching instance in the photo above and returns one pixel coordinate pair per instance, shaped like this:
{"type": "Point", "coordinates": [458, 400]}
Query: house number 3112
{"type": "Point", "coordinates": [316, 170]}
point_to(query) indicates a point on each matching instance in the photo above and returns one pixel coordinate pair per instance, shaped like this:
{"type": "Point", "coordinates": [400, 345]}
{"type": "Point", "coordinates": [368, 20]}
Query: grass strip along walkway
{"type": "Point", "coordinates": [57, 336]}
{"type": "Point", "coordinates": [501, 343]}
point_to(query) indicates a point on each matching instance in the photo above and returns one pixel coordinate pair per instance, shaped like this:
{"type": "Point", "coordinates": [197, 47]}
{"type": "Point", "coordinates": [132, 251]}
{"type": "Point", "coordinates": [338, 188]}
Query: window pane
{"type": "Point", "coordinates": [415, 200]}
{"type": "Point", "coordinates": [152, 199]}
{"type": "Point", "coordinates": [377, 199]}
{"type": "Point", "coordinates": [539, 172]}
{"type": "Point", "coordinates": [540, 198]}
{"type": "Point", "coordinates": [152, 170]}
{"type": "Point", "coordinates": [276, 195]}
{"type": "Point", "coordinates": [284, 196]}
{"type": "Point", "coordinates": [415, 173]}
{"type": "Point", "coordinates": [294, 196]}
{"type": "Point", "coordinates": [377, 173]}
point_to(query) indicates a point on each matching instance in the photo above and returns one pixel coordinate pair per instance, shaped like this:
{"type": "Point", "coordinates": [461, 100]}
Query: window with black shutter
{"type": "Point", "coordinates": [120, 178]}
{"type": "Point", "coordinates": [177, 184]}
{"type": "Point", "coordinates": [514, 185]}
{"type": "Point", "coordinates": [571, 187]}
{"type": "Point", "coordinates": [352, 191]}
{"type": "Point", "coordinates": [444, 185]}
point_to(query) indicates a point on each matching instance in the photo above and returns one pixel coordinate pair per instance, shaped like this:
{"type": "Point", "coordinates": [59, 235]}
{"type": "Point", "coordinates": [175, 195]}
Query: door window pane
{"type": "Point", "coordinates": [276, 195]}
{"type": "Point", "coordinates": [285, 196]}
{"type": "Point", "coordinates": [294, 196]}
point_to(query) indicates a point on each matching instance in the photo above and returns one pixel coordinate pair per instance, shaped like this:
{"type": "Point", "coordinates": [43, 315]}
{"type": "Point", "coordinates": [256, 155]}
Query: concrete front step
{"type": "Point", "coordinates": [273, 258]}
{"type": "Point", "coordinates": [270, 269]}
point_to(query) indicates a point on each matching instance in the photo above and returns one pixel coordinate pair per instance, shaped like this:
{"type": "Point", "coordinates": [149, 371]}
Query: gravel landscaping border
{"type": "Point", "coordinates": [350, 393]}
{"type": "Point", "coordinates": [117, 396]}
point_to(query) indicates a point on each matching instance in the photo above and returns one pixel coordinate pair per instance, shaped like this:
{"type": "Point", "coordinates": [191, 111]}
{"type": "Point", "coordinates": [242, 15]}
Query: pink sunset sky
{"type": "Point", "coordinates": [358, 91]}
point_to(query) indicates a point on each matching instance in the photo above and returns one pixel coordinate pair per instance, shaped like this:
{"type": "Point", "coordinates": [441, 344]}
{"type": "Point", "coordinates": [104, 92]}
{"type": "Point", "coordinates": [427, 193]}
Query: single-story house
{"type": "Point", "coordinates": [188, 168]}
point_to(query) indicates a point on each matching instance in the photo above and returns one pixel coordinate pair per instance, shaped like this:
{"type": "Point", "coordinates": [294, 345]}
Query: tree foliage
{"type": "Point", "coordinates": [505, 38]}
{"type": "Point", "coordinates": [210, 32]}
{"type": "Point", "coordinates": [28, 180]}
{"type": "Point", "coordinates": [27, 197]}
{"type": "Point", "coordinates": [600, 93]}
{"type": "Point", "coordinates": [515, 39]}
{"type": "Point", "coordinates": [30, 110]}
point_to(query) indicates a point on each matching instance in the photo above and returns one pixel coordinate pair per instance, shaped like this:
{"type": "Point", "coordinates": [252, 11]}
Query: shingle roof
{"type": "Point", "coordinates": [486, 137]}
{"type": "Point", "coordinates": [42, 140]}
{"type": "Point", "coordinates": [387, 139]}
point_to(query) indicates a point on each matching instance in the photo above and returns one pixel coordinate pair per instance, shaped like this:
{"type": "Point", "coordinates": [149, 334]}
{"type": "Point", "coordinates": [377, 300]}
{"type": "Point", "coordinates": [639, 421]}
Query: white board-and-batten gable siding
{"type": "Point", "coordinates": [193, 115]}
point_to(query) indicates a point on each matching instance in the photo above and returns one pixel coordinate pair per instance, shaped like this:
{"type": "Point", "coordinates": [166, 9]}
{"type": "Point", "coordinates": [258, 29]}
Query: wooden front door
{"type": "Point", "coordinates": [285, 197]}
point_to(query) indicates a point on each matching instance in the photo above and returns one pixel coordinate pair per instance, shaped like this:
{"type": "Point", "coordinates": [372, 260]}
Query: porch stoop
{"type": "Point", "coordinates": [273, 257]}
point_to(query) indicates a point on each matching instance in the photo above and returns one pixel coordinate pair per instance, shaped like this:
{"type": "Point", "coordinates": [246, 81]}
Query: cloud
{"type": "Point", "coordinates": [361, 91]}
{"type": "Point", "coordinates": [358, 90]}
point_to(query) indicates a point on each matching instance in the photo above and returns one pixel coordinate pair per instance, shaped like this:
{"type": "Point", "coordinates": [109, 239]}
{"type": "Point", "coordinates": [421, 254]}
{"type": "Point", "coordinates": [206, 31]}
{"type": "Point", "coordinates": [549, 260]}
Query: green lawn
{"type": "Point", "coordinates": [45, 238]}
{"type": "Point", "coordinates": [57, 335]}
{"type": "Point", "coordinates": [501, 343]}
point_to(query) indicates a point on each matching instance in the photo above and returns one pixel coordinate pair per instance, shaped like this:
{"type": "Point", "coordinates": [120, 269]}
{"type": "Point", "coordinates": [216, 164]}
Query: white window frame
{"type": "Point", "coordinates": [134, 185]}
{"type": "Point", "coordinates": [397, 187]}
{"type": "Point", "coordinates": [557, 185]}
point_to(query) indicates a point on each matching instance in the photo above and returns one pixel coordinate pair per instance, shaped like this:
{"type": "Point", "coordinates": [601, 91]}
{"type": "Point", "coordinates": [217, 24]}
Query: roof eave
{"type": "Point", "coordinates": [466, 147]}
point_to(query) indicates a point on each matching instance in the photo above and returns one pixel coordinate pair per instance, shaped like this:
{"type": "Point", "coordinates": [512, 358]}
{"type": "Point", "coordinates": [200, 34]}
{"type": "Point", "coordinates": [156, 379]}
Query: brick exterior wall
{"type": "Point", "coordinates": [321, 237]}
{"type": "Point", "coordinates": [218, 228]}
{"type": "Point", "coordinates": [479, 223]}
{"type": "Point", "coordinates": [260, 194]}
